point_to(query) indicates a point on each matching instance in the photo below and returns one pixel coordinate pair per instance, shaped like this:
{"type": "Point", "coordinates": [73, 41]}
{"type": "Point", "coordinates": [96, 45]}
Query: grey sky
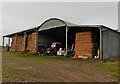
{"type": "Point", "coordinates": [17, 16]}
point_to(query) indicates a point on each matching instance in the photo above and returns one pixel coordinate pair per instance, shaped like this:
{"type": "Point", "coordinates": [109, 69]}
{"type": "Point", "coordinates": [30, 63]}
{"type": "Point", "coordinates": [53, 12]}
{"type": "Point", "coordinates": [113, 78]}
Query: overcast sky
{"type": "Point", "coordinates": [17, 16]}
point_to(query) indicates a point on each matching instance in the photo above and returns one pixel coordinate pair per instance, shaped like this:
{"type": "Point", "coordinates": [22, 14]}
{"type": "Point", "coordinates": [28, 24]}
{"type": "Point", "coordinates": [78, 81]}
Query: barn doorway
{"type": "Point", "coordinates": [47, 37]}
{"type": "Point", "coordinates": [86, 41]}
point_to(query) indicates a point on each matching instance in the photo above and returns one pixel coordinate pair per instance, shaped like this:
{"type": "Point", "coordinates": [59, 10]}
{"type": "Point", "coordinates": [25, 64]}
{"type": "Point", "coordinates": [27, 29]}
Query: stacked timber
{"type": "Point", "coordinates": [13, 43]}
{"type": "Point", "coordinates": [85, 44]}
{"type": "Point", "coordinates": [31, 42]}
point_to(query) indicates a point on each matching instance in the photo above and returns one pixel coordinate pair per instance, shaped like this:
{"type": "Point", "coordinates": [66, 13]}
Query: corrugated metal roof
{"type": "Point", "coordinates": [27, 30]}
{"type": "Point", "coordinates": [54, 23]}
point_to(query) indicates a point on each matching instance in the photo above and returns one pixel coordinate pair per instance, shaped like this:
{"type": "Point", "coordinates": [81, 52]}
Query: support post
{"type": "Point", "coordinates": [8, 41]}
{"type": "Point", "coordinates": [16, 42]}
{"type": "Point", "coordinates": [36, 40]}
{"type": "Point", "coordinates": [100, 45]}
{"type": "Point", "coordinates": [66, 39]}
{"type": "Point", "coordinates": [3, 41]}
{"type": "Point", "coordinates": [25, 36]}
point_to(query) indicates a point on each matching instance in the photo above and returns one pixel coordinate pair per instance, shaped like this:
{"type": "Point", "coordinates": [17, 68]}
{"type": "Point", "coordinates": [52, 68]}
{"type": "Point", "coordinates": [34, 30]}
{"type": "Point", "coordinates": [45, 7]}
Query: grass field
{"type": "Point", "coordinates": [17, 66]}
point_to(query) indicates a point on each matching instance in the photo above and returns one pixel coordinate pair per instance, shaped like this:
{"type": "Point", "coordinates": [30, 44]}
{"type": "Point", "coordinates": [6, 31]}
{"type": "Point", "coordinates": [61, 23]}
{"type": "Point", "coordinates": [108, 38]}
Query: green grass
{"type": "Point", "coordinates": [110, 65]}
{"type": "Point", "coordinates": [20, 54]}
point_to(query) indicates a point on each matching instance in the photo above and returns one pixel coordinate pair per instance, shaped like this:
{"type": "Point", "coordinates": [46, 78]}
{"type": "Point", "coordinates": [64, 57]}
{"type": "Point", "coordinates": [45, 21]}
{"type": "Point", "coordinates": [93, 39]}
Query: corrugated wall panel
{"type": "Point", "coordinates": [105, 45]}
{"type": "Point", "coordinates": [110, 44]}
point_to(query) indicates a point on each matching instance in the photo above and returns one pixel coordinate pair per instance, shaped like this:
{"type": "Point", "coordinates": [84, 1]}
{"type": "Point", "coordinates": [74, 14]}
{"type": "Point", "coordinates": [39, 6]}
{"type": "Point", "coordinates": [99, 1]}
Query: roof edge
{"type": "Point", "coordinates": [27, 30]}
{"type": "Point", "coordinates": [64, 22]}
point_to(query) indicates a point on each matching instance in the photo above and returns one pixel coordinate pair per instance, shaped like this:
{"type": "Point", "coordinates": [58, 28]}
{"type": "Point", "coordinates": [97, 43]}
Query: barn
{"type": "Point", "coordinates": [87, 39]}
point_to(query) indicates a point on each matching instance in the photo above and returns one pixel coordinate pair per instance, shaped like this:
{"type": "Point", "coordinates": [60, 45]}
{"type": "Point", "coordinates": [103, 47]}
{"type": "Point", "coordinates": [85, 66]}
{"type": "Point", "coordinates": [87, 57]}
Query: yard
{"type": "Point", "coordinates": [17, 66]}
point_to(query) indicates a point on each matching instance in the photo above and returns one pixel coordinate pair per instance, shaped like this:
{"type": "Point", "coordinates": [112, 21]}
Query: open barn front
{"type": "Point", "coordinates": [49, 36]}
{"type": "Point", "coordinates": [84, 41]}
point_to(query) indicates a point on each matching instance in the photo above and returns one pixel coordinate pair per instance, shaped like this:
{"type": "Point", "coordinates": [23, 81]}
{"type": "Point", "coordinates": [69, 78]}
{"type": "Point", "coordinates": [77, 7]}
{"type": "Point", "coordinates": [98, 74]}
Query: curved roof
{"type": "Point", "coordinates": [54, 23]}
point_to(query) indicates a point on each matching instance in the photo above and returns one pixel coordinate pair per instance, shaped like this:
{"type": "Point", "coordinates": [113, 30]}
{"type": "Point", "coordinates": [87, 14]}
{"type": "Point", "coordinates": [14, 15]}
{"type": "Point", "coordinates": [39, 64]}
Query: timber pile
{"type": "Point", "coordinates": [85, 44]}
{"type": "Point", "coordinates": [31, 42]}
{"type": "Point", "coordinates": [13, 43]}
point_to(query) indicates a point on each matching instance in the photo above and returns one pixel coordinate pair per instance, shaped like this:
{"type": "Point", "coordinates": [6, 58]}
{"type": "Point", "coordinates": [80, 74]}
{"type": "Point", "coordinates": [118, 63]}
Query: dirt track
{"type": "Point", "coordinates": [52, 69]}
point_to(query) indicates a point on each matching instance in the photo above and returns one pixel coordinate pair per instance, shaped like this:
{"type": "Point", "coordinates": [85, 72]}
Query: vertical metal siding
{"type": "Point", "coordinates": [110, 44]}
{"type": "Point", "coordinates": [105, 45]}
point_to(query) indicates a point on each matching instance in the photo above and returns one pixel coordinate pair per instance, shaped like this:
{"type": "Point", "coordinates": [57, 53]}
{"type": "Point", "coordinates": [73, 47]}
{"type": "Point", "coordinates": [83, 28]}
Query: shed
{"type": "Point", "coordinates": [58, 30]}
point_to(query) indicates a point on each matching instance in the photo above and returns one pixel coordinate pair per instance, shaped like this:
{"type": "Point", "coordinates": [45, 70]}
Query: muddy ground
{"type": "Point", "coordinates": [54, 69]}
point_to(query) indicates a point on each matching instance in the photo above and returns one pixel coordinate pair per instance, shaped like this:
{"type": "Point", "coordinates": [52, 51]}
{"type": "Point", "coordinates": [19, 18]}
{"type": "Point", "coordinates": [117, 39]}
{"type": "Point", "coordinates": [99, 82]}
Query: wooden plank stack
{"type": "Point", "coordinates": [13, 43]}
{"type": "Point", "coordinates": [31, 42]}
{"type": "Point", "coordinates": [85, 44]}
